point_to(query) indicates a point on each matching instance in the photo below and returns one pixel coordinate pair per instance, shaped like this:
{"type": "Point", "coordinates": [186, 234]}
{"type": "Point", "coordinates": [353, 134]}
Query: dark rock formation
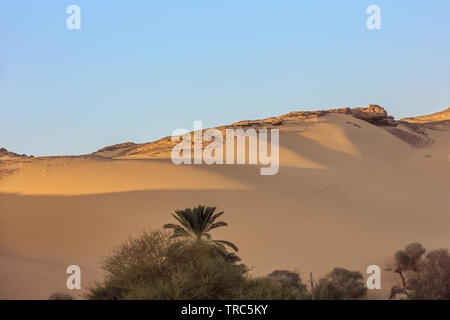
{"type": "Point", "coordinates": [116, 147]}
{"type": "Point", "coordinates": [9, 154]}
{"type": "Point", "coordinates": [374, 114]}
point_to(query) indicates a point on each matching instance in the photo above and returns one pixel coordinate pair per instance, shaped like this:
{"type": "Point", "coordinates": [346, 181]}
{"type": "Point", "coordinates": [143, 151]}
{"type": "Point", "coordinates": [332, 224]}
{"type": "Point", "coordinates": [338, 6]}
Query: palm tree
{"type": "Point", "coordinates": [197, 223]}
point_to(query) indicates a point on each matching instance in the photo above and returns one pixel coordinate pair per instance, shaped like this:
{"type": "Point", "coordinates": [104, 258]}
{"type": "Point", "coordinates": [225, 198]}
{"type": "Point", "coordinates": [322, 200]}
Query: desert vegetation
{"type": "Point", "coordinates": [195, 226]}
{"type": "Point", "coordinates": [186, 262]}
{"type": "Point", "coordinates": [341, 284]}
{"type": "Point", "coordinates": [155, 266]}
{"type": "Point", "coordinates": [423, 276]}
{"type": "Point", "coordinates": [60, 296]}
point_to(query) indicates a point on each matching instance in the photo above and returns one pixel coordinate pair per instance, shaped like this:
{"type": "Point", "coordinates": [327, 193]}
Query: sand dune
{"type": "Point", "coordinates": [435, 117]}
{"type": "Point", "coordinates": [348, 193]}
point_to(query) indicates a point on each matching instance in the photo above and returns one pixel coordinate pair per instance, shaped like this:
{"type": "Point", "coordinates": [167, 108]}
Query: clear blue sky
{"type": "Point", "coordinates": [139, 69]}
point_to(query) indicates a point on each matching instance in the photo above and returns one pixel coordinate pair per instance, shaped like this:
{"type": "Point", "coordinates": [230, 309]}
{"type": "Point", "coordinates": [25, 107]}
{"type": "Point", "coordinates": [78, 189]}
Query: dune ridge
{"type": "Point", "coordinates": [374, 114]}
{"type": "Point", "coordinates": [435, 117]}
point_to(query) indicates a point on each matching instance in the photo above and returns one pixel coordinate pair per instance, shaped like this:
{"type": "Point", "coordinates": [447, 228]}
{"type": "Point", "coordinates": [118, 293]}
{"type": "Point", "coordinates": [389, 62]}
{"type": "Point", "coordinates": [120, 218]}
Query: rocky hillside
{"type": "Point", "coordinates": [414, 134]}
{"type": "Point", "coordinates": [414, 131]}
{"type": "Point", "coordinates": [373, 114]}
{"type": "Point", "coordinates": [5, 154]}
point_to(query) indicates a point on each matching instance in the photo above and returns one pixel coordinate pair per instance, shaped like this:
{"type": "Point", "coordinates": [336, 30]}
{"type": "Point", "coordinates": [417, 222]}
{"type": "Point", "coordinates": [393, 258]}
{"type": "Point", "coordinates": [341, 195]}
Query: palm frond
{"type": "Point", "coordinates": [208, 236]}
{"type": "Point", "coordinates": [217, 225]}
{"type": "Point", "coordinates": [227, 243]}
{"type": "Point", "coordinates": [178, 231]}
{"type": "Point", "coordinates": [182, 220]}
{"type": "Point", "coordinates": [217, 215]}
{"type": "Point", "coordinates": [171, 226]}
{"type": "Point", "coordinates": [232, 257]}
{"type": "Point", "coordinates": [196, 223]}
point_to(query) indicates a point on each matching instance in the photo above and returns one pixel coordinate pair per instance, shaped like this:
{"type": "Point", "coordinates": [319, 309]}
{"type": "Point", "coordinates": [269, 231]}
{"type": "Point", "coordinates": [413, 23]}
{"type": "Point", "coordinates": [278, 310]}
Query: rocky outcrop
{"type": "Point", "coordinates": [117, 147]}
{"type": "Point", "coordinates": [8, 154]}
{"type": "Point", "coordinates": [373, 114]}
{"type": "Point", "coordinates": [114, 150]}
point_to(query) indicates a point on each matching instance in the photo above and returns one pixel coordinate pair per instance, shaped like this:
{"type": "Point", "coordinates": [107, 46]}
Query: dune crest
{"type": "Point", "coordinates": [435, 117]}
{"type": "Point", "coordinates": [373, 114]}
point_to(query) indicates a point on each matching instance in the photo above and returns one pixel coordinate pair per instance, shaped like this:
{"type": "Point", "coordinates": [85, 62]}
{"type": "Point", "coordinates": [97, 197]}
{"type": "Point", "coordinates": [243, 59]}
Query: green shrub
{"type": "Point", "coordinates": [265, 289]}
{"type": "Point", "coordinates": [341, 284]}
{"type": "Point", "coordinates": [60, 296]}
{"type": "Point", "coordinates": [135, 261]}
{"type": "Point", "coordinates": [193, 272]}
{"type": "Point", "coordinates": [154, 266]}
{"type": "Point", "coordinates": [408, 259]}
{"type": "Point", "coordinates": [423, 278]}
{"type": "Point", "coordinates": [432, 282]}
{"type": "Point", "coordinates": [290, 279]}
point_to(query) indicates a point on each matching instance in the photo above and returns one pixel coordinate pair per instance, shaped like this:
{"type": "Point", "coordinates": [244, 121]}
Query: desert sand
{"type": "Point", "coordinates": [350, 191]}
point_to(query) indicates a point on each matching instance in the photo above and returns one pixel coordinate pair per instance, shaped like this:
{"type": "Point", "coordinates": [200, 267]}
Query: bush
{"type": "Point", "coordinates": [60, 296]}
{"type": "Point", "coordinates": [133, 262]}
{"type": "Point", "coordinates": [422, 278]}
{"type": "Point", "coordinates": [433, 280]}
{"type": "Point", "coordinates": [409, 258]}
{"type": "Point", "coordinates": [290, 279]}
{"type": "Point", "coordinates": [155, 267]}
{"type": "Point", "coordinates": [195, 272]}
{"type": "Point", "coordinates": [265, 289]}
{"type": "Point", "coordinates": [340, 284]}
{"type": "Point", "coordinates": [152, 266]}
